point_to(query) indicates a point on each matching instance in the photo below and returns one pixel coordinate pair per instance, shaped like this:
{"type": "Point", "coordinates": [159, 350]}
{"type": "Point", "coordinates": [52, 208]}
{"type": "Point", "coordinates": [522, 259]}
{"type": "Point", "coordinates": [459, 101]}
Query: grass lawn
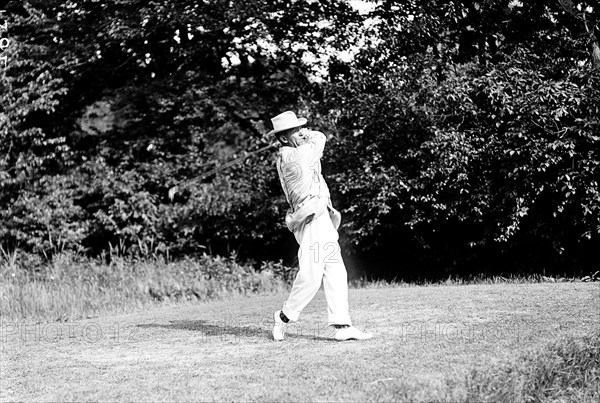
{"type": "Point", "coordinates": [432, 343]}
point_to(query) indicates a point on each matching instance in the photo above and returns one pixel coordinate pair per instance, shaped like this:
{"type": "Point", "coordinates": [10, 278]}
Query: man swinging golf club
{"type": "Point", "coordinates": [314, 222]}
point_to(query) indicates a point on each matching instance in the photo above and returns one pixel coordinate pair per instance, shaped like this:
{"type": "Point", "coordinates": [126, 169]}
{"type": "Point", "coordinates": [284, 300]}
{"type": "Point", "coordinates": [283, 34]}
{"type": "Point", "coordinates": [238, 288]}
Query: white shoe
{"type": "Point", "coordinates": [351, 333]}
{"type": "Point", "coordinates": [279, 327]}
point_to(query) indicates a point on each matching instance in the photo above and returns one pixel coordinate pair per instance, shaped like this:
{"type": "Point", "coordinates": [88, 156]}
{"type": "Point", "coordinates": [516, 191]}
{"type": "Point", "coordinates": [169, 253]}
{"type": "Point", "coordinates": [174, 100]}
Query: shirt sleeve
{"type": "Point", "coordinates": [313, 149]}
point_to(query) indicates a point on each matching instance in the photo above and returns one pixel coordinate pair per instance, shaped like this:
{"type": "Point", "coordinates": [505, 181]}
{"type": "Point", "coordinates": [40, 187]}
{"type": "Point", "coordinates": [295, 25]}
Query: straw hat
{"type": "Point", "coordinates": [286, 120]}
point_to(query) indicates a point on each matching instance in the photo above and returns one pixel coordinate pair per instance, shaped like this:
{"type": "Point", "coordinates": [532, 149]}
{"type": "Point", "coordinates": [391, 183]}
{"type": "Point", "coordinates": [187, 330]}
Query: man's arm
{"type": "Point", "coordinates": [313, 149]}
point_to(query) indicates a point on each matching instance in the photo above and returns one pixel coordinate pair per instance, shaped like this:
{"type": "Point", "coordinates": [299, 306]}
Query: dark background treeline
{"type": "Point", "coordinates": [466, 134]}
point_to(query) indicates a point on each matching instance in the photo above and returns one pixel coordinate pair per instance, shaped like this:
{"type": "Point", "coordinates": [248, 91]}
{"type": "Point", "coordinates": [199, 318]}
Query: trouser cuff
{"type": "Point", "coordinates": [339, 321]}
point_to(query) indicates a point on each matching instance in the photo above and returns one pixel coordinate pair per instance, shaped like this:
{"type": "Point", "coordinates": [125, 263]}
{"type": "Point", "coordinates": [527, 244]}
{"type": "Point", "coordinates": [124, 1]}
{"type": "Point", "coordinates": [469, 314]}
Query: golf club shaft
{"type": "Point", "coordinates": [183, 185]}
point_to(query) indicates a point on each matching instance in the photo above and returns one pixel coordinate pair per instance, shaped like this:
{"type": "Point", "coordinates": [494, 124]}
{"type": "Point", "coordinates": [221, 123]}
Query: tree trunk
{"type": "Point", "coordinates": [595, 51]}
{"type": "Point", "coordinates": [568, 6]}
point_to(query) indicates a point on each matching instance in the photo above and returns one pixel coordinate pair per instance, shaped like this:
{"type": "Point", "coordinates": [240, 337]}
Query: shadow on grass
{"type": "Point", "coordinates": [225, 330]}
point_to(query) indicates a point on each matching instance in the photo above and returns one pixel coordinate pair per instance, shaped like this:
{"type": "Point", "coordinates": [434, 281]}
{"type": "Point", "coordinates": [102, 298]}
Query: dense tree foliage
{"type": "Point", "coordinates": [476, 130]}
{"type": "Point", "coordinates": [465, 134]}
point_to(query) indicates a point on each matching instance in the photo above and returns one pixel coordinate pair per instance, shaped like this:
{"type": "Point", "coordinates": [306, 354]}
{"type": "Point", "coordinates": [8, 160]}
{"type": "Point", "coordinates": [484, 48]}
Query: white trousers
{"type": "Point", "coordinates": [320, 260]}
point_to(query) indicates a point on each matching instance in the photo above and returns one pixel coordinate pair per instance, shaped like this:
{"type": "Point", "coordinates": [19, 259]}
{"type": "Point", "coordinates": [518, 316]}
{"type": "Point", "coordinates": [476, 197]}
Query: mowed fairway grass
{"type": "Point", "coordinates": [429, 341]}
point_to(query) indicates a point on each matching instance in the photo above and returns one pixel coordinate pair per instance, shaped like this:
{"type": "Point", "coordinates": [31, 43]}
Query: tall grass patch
{"type": "Point", "coordinates": [566, 370]}
{"type": "Point", "coordinates": [71, 287]}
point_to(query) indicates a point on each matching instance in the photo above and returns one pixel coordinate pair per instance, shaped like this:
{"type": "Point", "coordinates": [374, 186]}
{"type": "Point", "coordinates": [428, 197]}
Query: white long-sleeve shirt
{"type": "Point", "coordinates": [299, 171]}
